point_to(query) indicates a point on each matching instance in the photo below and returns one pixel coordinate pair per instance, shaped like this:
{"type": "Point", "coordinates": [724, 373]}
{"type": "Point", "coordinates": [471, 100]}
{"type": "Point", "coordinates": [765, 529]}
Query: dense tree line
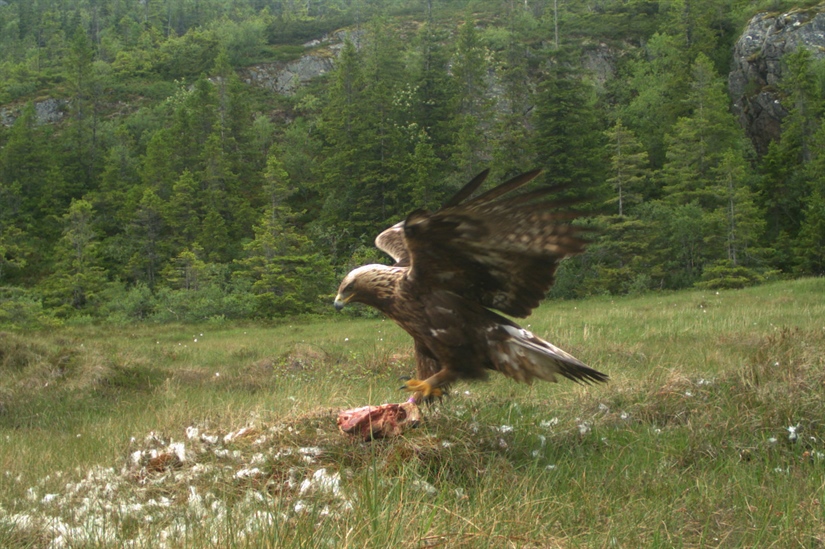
{"type": "Point", "coordinates": [171, 190]}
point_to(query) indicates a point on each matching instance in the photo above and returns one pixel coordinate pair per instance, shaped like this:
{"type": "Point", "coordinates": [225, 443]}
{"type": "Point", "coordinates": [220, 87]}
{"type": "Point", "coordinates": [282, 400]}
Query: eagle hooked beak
{"type": "Point", "coordinates": [339, 302]}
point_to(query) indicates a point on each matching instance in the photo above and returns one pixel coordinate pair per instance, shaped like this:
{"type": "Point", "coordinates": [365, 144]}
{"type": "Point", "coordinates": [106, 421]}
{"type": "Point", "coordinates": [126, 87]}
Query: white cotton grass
{"type": "Point", "coordinates": [191, 487]}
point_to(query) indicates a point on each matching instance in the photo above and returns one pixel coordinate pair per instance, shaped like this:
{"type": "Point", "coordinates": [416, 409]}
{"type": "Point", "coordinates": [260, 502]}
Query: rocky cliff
{"type": "Point", "coordinates": [286, 78]}
{"type": "Point", "coordinates": [758, 67]}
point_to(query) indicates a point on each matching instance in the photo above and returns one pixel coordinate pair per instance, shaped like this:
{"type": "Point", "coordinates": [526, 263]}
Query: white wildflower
{"type": "Point", "coordinates": [772, 440]}
{"type": "Point", "coordinates": [504, 429]}
{"type": "Point", "coordinates": [179, 449]}
{"type": "Point", "coordinates": [624, 415]}
{"type": "Point", "coordinates": [792, 432]}
{"type": "Point", "coordinates": [192, 433]}
{"type": "Point", "coordinates": [550, 468]}
{"type": "Point", "coordinates": [322, 482]}
{"type": "Point", "coordinates": [549, 422]}
{"type": "Point", "coordinates": [247, 472]}
{"type": "Point", "coordinates": [209, 439]}
{"type": "Point", "coordinates": [584, 428]}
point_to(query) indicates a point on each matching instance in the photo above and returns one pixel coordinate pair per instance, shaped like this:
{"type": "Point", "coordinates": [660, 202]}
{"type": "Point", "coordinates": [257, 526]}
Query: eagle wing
{"type": "Point", "coordinates": [392, 242]}
{"type": "Point", "coordinates": [497, 249]}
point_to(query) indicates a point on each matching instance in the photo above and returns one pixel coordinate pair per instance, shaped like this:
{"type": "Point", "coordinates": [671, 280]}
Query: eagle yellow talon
{"type": "Point", "coordinates": [423, 390]}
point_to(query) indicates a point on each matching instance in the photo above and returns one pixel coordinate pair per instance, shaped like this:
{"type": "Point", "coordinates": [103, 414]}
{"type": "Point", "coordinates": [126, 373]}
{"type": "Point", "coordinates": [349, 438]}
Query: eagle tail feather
{"type": "Point", "coordinates": [524, 357]}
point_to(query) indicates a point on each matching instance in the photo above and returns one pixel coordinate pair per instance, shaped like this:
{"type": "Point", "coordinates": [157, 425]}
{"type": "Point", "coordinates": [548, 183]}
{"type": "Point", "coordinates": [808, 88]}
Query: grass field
{"type": "Point", "coordinates": [711, 433]}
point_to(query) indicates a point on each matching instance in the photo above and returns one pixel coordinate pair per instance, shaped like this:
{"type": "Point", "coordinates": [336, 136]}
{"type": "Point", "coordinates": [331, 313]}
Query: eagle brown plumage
{"type": "Point", "coordinates": [498, 251]}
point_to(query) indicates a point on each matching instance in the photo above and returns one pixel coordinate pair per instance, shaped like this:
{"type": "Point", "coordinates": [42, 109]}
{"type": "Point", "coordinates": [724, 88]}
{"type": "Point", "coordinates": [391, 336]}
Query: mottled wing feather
{"type": "Point", "coordinates": [392, 242]}
{"type": "Point", "coordinates": [500, 251]}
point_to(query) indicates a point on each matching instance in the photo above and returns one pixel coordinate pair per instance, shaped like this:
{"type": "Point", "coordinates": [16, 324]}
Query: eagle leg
{"type": "Point", "coordinates": [430, 388]}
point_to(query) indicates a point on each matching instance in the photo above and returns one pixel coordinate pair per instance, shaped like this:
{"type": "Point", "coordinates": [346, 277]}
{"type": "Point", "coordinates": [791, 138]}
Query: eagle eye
{"type": "Point", "coordinates": [350, 286]}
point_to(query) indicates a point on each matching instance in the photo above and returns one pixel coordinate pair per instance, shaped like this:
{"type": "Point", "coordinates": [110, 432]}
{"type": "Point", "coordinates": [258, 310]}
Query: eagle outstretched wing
{"type": "Point", "coordinates": [500, 251]}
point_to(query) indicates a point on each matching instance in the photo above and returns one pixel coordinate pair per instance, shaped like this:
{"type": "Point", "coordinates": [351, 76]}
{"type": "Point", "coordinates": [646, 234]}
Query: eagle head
{"type": "Point", "coordinates": [370, 284]}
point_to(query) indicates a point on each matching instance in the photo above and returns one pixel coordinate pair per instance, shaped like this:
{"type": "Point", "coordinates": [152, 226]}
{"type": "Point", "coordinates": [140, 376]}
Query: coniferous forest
{"type": "Point", "coordinates": [144, 176]}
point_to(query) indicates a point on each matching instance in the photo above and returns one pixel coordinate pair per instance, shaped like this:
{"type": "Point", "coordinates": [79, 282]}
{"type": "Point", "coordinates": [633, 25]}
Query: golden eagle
{"type": "Point", "coordinates": [495, 251]}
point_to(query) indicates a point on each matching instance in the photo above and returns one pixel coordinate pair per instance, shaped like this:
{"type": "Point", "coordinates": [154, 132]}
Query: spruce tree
{"type": "Point", "coordinates": [13, 246]}
{"type": "Point", "coordinates": [473, 104]}
{"type": "Point", "coordinates": [147, 240]}
{"type": "Point", "coordinates": [287, 275]}
{"type": "Point", "coordinates": [77, 278]}
{"type": "Point", "coordinates": [699, 141]}
{"type": "Point", "coordinates": [568, 143]}
{"type": "Point", "coordinates": [785, 183]}
{"type": "Point", "coordinates": [629, 173]}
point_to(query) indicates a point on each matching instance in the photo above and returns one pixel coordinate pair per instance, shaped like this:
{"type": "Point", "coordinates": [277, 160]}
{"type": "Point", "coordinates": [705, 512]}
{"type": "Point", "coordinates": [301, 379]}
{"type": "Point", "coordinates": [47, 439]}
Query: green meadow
{"type": "Point", "coordinates": [710, 433]}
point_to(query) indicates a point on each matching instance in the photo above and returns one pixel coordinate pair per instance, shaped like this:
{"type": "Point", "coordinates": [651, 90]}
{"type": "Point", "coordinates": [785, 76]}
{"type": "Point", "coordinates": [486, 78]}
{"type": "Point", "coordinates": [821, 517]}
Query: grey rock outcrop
{"type": "Point", "coordinates": [286, 78]}
{"type": "Point", "coordinates": [758, 67]}
{"type": "Point", "coordinates": [47, 111]}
